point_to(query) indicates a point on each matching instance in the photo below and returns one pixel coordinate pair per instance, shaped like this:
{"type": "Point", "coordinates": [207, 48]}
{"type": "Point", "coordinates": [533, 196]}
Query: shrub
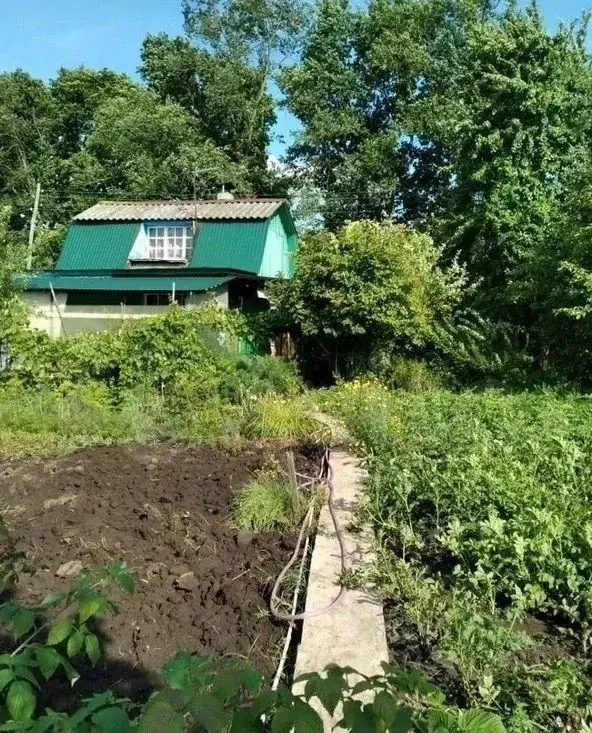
{"type": "Point", "coordinates": [366, 285]}
{"type": "Point", "coordinates": [399, 372]}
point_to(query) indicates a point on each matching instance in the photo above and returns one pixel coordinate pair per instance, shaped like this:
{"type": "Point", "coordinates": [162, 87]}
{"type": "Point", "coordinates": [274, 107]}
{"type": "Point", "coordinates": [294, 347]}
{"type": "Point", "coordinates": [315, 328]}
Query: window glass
{"type": "Point", "coordinates": [170, 243]}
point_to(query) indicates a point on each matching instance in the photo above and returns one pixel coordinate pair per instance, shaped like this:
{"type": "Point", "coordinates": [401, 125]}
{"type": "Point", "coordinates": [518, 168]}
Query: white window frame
{"type": "Point", "coordinates": [170, 242]}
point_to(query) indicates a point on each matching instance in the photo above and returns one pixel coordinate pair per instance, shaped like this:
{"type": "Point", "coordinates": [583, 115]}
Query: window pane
{"type": "Point", "coordinates": [160, 232]}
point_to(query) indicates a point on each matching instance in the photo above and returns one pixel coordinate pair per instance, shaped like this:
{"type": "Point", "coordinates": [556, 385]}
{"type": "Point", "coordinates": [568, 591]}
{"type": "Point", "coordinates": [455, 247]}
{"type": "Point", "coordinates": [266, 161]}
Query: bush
{"type": "Point", "coordinates": [176, 376]}
{"type": "Point", "coordinates": [398, 372]}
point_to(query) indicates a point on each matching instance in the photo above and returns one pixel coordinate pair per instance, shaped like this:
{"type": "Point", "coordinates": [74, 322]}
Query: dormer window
{"type": "Point", "coordinates": [170, 243]}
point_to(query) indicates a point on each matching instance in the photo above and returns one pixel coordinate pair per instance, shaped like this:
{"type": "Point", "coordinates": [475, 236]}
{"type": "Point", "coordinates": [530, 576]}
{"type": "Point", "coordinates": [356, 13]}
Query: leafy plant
{"type": "Point", "coordinates": [48, 636]}
{"type": "Point", "coordinates": [273, 417]}
{"type": "Point", "coordinates": [481, 506]}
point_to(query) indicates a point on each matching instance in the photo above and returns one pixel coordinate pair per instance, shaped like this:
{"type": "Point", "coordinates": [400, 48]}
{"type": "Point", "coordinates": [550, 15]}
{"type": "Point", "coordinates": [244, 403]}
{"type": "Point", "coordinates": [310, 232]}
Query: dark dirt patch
{"type": "Point", "coordinates": [165, 510]}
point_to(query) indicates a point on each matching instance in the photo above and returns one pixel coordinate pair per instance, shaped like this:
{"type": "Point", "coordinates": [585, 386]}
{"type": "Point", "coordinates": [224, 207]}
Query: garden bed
{"type": "Point", "coordinates": [166, 511]}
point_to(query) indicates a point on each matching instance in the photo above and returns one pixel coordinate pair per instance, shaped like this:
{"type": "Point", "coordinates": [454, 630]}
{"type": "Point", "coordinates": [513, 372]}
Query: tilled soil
{"type": "Point", "coordinates": [165, 510]}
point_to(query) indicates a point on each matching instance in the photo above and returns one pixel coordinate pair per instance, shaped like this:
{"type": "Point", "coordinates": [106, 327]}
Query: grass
{"type": "Point", "coordinates": [44, 421]}
{"type": "Point", "coordinates": [278, 418]}
{"type": "Point", "coordinates": [482, 507]}
{"type": "Point", "coordinates": [267, 503]}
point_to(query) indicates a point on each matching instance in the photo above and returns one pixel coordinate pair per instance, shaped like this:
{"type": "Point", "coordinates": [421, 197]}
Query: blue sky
{"type": "Point", "coordinates": [40, 36]}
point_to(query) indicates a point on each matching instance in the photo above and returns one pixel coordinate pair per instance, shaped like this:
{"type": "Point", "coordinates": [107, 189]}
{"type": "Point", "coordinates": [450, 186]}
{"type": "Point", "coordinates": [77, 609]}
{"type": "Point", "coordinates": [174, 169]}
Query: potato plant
{"type": "Point", "coordinates": [481, 506]}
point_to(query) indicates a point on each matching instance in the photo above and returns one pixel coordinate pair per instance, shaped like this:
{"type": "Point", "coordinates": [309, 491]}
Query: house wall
{"type": "Point", "coordinates": [275, 260]}
{"type": "Point", "coordinates": [44, 315]}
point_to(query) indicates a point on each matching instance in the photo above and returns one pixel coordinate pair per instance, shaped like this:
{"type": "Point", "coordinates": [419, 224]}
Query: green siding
{"type": "Point", "coordinates": [152, 283]}
{"type": "Point", "coordinates": [276, 245]}
{"type": "Point", "coordinates": [230, 245]}
{"type": "Point", "coordinates": [100, 246]}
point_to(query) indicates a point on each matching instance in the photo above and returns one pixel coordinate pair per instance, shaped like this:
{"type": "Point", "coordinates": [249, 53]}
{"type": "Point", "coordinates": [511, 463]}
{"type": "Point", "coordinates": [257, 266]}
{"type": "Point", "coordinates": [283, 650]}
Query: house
{"type": "Point", "coordinates": [128, 259]}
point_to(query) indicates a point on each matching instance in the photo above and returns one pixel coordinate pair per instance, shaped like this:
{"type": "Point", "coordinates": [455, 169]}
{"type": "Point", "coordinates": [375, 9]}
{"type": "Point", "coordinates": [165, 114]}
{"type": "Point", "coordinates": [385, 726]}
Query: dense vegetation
{"type": "Point", "coordinates": [481, 505]}
{"type": "Point", "coordinates": [465, 120]}
{"type": "Point", "coordinates": [443, 167]}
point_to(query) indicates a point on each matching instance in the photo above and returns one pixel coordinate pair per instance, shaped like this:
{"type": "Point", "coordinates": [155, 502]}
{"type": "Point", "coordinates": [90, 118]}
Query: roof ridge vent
{"type": "Point", "coordinates": [224, 195]}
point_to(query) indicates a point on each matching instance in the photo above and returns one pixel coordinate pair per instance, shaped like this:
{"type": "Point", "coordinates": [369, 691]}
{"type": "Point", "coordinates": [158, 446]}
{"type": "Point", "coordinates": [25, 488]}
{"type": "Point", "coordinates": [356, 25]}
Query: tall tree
{"type": "Point", "coordinates": [362, 72]}
{"type": "Point", "coordinates": [220, 93]}
{"type": "Point", "coordinates": [26, 149]}
{"type": "Point", "coordinates": [142, 146]}
{"type": "Point", "coordinates": [513, 113]}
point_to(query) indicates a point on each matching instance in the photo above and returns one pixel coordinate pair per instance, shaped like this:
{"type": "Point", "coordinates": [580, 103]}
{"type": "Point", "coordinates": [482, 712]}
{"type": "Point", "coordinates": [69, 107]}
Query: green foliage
{"type": "Point", "coordinates": [173, 376]}
{"type": "Point", "coordinates": [397, 372]}
{"type": "Point", "coordinates": [47, 637]}
{"type": "Point", "coordinates": [368, 287]}
{"type": "Point", "coordinates": [277, 418]}
{"type": "Point", "coordinates": [199, 694]}
{"type": "Point", "coordinates": [268, 503]}
{"type": "Point", "coordinates": [481, 506]}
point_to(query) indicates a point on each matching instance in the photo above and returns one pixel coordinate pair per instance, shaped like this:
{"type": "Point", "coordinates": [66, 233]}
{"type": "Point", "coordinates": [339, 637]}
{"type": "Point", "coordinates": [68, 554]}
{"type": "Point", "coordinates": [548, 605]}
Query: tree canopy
{"type": "Point", "coordinates": [465, 120]}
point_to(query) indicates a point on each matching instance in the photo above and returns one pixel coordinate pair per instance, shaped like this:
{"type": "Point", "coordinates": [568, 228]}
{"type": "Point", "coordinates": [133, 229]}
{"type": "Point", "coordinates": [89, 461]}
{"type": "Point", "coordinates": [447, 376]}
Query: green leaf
{"type": "Point", "coordinates": [48, 660]}
{"type": "Point", "coordinates": [362, 686]}
{"type": "Point", "coordinates": [75, 643]}
{"type": "Point", "coordinates": [23, 672]}
{"type": "Point", "coordinates": [122, 575]}
{"type": "Point", "coordinates": [306, 720]}
{"type": "Point", "coordinates": [92, 647]}
{"type": "Point", "coordinates": [22, 622]}
{"type": "Point", "coordinates": [402, 721]}
{"type": "Point", "coordinates": [478, 721]}
{"type": "Point", "coordinates": [355, 718]}
{"type": "Point", "coordinates": [89, 605]}
{"type": "Point", "coordinates": [329, 690]}
{"type": "Point", "coordinates": [103, 699]}
{"type": "Point", "coordinates": [262, 703]}
{"type": "Point", "coordinates": [385, 707]}
{"type": "Point", "coordinates": [72, 674]}
{"type": "Point", "coordinates": [209, 712]}
{"type": "Point", "coordinates": [21, 701]}
{"type": "Point", "coordinates": [160, 716]}
{"type": "Point", "coordinates": [6, 676]}
{"type": "Point", "coordinates": [112, 720]}
{"type": "Point", "coordinates": [282, 721]}
{"type": "Point", "coordinates": [243, 722]}
{"type": "Point", "coordinates": [176, 670]}
{"type": "Point", "coordinates": [7, 610]}
{"type": "Point", "coordinates": [49, 722]}
{"type": "Point", "coordinates": [59, 631]}
{"type": "Point", "coordinates": [51, 599]}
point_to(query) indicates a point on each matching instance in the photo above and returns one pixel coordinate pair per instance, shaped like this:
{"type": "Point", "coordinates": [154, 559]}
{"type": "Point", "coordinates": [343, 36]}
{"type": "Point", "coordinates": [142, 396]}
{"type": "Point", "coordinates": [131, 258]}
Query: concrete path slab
{"type": "Point", "coordinates": [352, 633]}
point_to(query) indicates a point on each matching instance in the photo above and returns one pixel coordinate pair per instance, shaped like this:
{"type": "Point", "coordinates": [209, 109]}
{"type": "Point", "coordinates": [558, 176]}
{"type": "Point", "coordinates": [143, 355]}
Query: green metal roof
{"type": "Point", "coordinates": [147, 283]}
{"type": "Point", "coordinates": [102, 246]}
{"type": "Point", "coordinates": [230, 245]}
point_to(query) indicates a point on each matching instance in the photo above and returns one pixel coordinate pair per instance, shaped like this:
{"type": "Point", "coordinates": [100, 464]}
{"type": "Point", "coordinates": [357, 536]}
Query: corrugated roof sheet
{"type": "Point", "coordinates": [102, 246]}
{"type": "Point", "coordinates": [151, 283]}
{"type": "Point", "coordinates": [230, 245]}
{"type": "Point", "coordinates": [201, 209]}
